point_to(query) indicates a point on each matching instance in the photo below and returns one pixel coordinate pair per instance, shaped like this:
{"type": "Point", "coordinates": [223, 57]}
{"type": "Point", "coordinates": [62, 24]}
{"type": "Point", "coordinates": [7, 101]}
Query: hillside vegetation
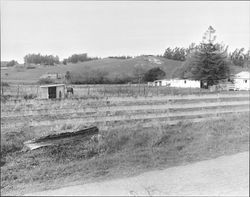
{"type": "Point", "coordinates": [110, 67]}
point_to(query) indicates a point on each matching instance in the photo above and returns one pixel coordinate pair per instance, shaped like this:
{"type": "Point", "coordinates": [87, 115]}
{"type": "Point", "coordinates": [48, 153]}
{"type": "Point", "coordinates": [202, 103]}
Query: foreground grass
{"type": "Point", "coordinates": [123, 152]}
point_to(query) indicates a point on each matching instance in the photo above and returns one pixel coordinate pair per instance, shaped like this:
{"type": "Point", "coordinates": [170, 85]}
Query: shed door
{"type": "Point", "coordinates": [52, 92]}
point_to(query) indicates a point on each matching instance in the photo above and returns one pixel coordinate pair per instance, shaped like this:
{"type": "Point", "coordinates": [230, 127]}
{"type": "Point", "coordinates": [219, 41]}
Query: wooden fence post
{"type": "Point", "coordinates": [18, 91]}
{"type": "Point", "coordinates": [37, 90]}
{"type": "Point", "coordinates": [88, 90]}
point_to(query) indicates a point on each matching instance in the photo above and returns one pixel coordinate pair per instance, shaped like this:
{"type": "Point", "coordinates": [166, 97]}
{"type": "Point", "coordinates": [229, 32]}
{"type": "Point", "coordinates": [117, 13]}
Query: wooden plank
{"type": "Point", "coordinates": [96, 119]}
{"type": "Point", "coordinates": [123, 108]}
{"type": "Point", "coordinates": [61, 138]}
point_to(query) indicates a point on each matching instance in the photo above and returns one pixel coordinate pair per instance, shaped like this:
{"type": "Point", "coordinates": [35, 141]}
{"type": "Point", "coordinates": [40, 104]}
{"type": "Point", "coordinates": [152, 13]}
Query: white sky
{"type": "Point", "coordinates": [105, 28]}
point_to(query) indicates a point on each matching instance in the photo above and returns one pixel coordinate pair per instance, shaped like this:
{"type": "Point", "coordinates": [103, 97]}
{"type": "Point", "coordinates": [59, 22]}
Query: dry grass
{"type": "Point", "coordinates": [123, 152]}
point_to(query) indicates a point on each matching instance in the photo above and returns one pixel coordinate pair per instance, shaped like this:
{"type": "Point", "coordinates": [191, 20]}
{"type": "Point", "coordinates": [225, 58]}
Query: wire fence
{"type": "Point", "coordinates": [124, 90]}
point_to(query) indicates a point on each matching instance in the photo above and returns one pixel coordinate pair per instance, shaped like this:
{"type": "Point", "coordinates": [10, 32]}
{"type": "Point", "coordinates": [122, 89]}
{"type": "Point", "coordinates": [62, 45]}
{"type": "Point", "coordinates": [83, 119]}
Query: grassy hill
{"type": "Point", "coordinates": [114, 68]}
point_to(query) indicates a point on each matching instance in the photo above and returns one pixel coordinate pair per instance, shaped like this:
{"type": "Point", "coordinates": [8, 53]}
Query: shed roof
{"type": "Point", "coordinates": [51, 85]}
{"type": "Point", "coordinates": [243, 75]}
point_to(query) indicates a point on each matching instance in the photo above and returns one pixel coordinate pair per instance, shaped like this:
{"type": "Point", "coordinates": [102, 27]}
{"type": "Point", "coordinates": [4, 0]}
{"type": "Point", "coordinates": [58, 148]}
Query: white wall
{"type": "Point", "coordinates": [161, 82]}
{"type": "Point", "coordinates": [179, 83]}
{"type": "Point", "coordinates": [182, 83]}
{"type": "Point", "coordinates": [58, 89]}
{"type": "Point", "coordinates": [43, 93]}
{"type": "Point", "coordinates": [242, 84]}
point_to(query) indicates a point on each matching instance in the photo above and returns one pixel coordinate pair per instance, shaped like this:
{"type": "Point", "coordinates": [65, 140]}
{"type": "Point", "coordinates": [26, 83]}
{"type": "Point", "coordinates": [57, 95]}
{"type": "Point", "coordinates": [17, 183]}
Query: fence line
{"type": "Point", "coordinates": [124, 99]}
{"type": "Point", "coordinates": [41, 112]}
{"type": "Point", "coordinates": [111, 119]}
{"type": "Point", "coordinates": [102, 90]}
{"type": "Point", "coordinates": [140, 111]}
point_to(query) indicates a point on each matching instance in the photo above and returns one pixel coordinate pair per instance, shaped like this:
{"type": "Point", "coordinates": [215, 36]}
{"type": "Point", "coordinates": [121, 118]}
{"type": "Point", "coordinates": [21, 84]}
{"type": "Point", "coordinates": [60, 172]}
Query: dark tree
{"type": "Point", "coordinates": [11, 63]}
{"type": "Point", "coordinates": [64, 61]}
{"type": "Point", "coordinates": [209, 61]}
{"type": "Point", "coordinates": [154, 74]}
{"type": "Point", "coordinates": [238, 57]}
{"type": "Point", "coordinates": [68, 77]}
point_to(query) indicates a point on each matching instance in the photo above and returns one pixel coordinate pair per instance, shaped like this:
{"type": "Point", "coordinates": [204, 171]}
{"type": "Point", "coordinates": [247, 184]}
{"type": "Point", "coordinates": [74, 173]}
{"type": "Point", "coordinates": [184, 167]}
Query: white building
{"type": "Point", "coordinates": [52, 91]}
{"type": "Point", "coordinates": [162, 82]}
{"type": "Point", "coordinates": [242, 80]}
{"type": "Point", "coordinates": [178, 83]}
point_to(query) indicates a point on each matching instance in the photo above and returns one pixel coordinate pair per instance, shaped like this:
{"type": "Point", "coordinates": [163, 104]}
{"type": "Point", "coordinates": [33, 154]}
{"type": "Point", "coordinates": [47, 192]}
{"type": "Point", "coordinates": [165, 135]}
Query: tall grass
{"type": "Point", "coordinates": [125, 151]}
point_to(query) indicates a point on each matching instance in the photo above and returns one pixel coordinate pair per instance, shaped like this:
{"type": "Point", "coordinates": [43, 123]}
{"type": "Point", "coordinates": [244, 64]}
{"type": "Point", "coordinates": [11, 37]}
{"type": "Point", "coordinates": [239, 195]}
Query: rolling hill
{"type": "Point", "coordinates": [114, 68]}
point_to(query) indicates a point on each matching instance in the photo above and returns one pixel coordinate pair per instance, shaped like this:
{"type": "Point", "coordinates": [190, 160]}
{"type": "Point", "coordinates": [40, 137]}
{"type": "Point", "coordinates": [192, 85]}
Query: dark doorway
{"type": "Point", "coordinates": [52, 92]}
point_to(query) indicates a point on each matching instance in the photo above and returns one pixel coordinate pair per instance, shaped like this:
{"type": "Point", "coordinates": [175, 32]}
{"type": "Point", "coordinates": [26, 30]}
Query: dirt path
{"type": "Point", "coordinates": [227, 175]}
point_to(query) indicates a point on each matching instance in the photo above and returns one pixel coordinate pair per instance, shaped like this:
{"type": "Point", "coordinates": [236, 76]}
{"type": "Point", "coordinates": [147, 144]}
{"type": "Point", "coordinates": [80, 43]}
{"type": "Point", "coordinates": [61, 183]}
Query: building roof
{"type": "Point", "coordinates": [243, 75]}
{"type": "Point", "coordinates": [162, 80]}
{"type": "Point", "coordinates": [51, 85]}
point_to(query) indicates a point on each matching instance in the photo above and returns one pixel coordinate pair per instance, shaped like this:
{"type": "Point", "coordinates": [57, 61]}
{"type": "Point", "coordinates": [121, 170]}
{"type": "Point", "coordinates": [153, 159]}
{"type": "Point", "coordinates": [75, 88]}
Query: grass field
{"type": "Point", "coordinates": [114, 68]}
{"type": "Point", "coordinates": [122, 152]}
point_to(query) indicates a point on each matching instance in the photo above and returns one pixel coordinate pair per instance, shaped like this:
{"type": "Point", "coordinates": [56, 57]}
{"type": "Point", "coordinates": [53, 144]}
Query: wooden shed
{"type": "Point", "coordinates": [52, 91]}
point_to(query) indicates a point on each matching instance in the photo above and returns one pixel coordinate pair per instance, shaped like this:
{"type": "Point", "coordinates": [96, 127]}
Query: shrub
{"type": "Point", "coordinates": [4, 84]}
{"type": "Point", "coordinates": [13, 141]}
{"type": "Point", "coordinates": [46, 81]}
{"type": "Point", "coordinates": [29, 96]}
{"type": "Point", "coordinates": [11, 63]}
{"type": "Point", "coordinates": [31, 67]}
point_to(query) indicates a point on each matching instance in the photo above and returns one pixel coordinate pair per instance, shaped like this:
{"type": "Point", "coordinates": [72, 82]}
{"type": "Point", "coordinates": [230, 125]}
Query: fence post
{"type": "Point", "coordinates": [18, 91]}
{"type": "Point", "coordinates": [37, 90]}
{"type": "Point", "coordinates": [88, 90]}
{"type": "Point", "coordinates": [2, 90]}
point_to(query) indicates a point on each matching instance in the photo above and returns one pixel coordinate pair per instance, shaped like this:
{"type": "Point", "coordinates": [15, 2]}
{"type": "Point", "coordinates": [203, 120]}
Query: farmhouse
{"type": "Point", "coordinates": [162, 82]}
{"type": "Point", "coordinates": [52, 91]}
{"type": "Point", "coordinates": [242, 81]}
{"type": "Point", "coordinates": [179, 83]}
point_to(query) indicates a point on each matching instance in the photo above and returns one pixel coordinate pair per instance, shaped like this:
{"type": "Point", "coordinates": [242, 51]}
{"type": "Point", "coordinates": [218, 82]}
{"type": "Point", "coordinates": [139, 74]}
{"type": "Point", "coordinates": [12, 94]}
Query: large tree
{"type": "Point", "coordinates": [154, 74]}
{"type": "Point", "coordinates": [208, 62]}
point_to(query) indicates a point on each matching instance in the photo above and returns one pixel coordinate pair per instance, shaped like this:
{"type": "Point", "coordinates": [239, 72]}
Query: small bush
{"type": "Point", "coordinates": [4, 84]}
{"type": "Point", "coordinates": [31, 67]}
{"type": "Point", "coordinates": [13, 141]}
{"type": "Point", "coordinates": [46, 81]}
{"type": "Point", "coordinates": [29, 96]}
{"type": "Point", "coordinates": [114, 141]}
{"type": "Point", "coordinates": [11, 63]}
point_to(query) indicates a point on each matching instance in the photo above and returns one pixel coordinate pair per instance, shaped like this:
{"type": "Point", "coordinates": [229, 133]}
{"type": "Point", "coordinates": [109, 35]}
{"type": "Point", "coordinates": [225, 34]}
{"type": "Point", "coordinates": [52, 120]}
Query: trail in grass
{"type": "Point", "coordinates": [226, 175]}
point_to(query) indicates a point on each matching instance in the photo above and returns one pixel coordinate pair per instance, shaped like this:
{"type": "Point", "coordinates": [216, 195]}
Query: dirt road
{"type": "Point", "coordinates": [227, 175]}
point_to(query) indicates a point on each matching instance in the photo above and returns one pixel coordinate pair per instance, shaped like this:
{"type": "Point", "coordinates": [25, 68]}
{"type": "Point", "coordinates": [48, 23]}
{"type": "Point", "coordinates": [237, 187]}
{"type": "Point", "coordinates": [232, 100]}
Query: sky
{"type": "Point", "coordinates": [110, 28]}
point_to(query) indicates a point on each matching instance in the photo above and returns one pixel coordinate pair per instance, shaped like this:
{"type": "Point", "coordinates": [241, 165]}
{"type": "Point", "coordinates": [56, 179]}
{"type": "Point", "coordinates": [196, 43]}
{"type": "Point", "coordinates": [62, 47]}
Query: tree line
{"type": "Point", "coordinates": [239, 57]}
{"type": "Point", "coordinates": [123, 57]}
{"type": "Point", "coordinates": [41, 59]}
{"type": "Point", "coordinates": [75, 58]}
